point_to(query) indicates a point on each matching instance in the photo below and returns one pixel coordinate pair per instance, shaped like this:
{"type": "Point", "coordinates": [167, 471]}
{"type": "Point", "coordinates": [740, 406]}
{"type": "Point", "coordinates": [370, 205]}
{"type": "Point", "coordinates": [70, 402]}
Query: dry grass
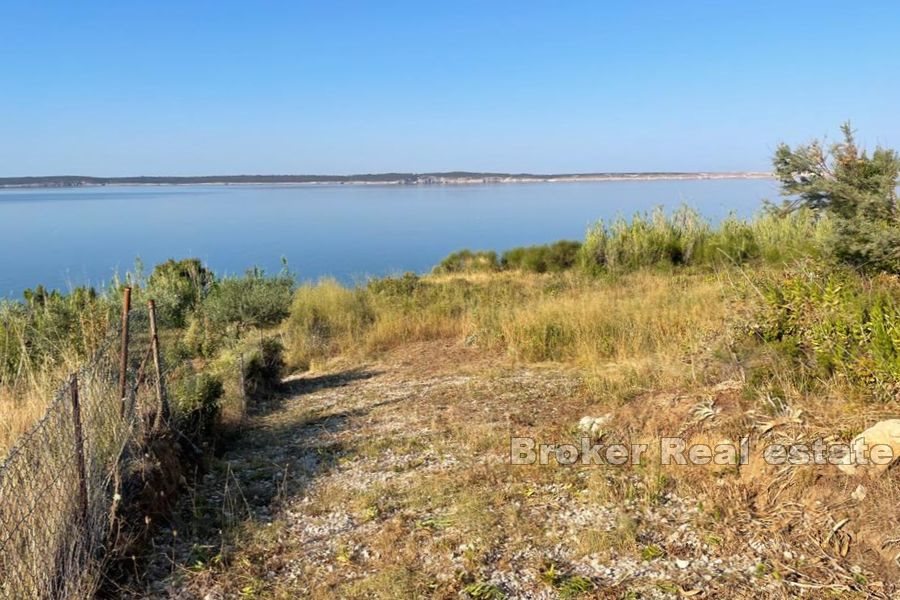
{"type": "Point", "coordinates": [39, 350]}
{"type": "Point", "coordinates": [639, 326]}
{"type": "Point", "coordinates": [20, 409]}
{"type": "Point", "coordinates": [24, 401]}
{"type": "Point", "coordinates": [412, 462]}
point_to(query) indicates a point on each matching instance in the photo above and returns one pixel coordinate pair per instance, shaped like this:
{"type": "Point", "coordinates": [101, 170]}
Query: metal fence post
{"type": "Point", "coordinates": [162, 411]}
{"type": "Point", "coordinates": [79, 450]}
{"type": "Point", "coordinates": [123, 356]}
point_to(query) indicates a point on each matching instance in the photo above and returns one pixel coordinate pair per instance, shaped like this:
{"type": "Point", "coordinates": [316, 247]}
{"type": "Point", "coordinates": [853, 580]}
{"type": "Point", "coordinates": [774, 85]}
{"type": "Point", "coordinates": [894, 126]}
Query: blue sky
{"type": "Point", "coordinates": [182, 88]}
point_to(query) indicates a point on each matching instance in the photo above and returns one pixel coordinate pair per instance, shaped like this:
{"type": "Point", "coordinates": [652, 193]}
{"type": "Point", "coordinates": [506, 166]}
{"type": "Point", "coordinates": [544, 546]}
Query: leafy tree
{"type": "Point", "coordinates": [857, 190]}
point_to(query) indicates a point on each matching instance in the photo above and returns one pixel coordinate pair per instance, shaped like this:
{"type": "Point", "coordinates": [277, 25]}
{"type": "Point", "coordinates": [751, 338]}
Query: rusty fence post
{"type": "Point", "coordinates": [162, 410]}
{"type": "Point", "coordinates": [123, 355]}
{"type": "Point", "coordinates": [79, 450]}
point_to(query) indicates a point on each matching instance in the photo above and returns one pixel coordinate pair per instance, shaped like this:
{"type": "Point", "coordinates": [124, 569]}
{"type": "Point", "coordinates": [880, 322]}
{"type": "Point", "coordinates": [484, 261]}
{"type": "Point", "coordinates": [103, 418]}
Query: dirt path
{"type": "Point", "coordinates": [391, 480]}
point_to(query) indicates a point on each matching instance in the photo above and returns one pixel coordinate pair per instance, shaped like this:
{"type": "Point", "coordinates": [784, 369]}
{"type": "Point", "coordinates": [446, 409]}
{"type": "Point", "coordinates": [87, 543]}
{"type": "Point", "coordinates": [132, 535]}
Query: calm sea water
{"type": "Point", "coordinates": [67, 237]}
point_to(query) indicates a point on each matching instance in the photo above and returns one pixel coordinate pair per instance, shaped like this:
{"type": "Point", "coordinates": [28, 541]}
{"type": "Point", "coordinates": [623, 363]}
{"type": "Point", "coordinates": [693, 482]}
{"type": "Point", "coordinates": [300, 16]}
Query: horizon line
{"type": "Point", "coordinates": [385, 175]}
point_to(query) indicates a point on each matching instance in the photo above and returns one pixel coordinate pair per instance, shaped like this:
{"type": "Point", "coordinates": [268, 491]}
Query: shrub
{"type": "Point", "coordinates": [178, 287]}
{"type": "Point", "coordinates": [837, 321]}
{"type": "Point", "coordinates": [549, 258]}
{"type": "Point", "coordinates": [263, 368]}
{"type": "Point", "coordinates": [195, 398]}
{"type": "Point", "coordinates": [467, 261]}
{"type": "Point", "coordinates": [252, 300]}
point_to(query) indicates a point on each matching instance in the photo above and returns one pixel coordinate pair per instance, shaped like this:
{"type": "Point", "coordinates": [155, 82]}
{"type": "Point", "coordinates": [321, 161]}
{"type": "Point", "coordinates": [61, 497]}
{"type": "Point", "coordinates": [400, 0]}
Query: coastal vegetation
{"type": "Point", "coordinates": [205, 320]}
{"type": "Point", "coordinates": [781, 327]}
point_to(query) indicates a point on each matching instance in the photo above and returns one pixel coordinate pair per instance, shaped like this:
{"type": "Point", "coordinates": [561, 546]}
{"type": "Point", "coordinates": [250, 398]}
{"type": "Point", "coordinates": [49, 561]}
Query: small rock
{"type": "Point", "coordinates": [883, 433]}
{"type": "Point", "coordinates": [859, 493]}
{"type": "Point", "coordinates": [682, 564]}
{"type": "Point", "coordinates": [593, 425]}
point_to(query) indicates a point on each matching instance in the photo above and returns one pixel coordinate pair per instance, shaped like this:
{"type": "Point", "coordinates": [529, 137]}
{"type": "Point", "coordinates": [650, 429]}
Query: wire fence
{"type": "Point", "coordinates": [60, 485]}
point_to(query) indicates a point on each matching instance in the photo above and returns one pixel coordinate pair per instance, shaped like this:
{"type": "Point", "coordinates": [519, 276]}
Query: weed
{"type": "Point", "coordinates": [483, 590]}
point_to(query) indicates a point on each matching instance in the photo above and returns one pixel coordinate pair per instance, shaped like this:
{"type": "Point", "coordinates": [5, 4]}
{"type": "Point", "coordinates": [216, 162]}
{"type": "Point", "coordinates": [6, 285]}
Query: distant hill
{"type": "Point", "coordinates": [445, 178]}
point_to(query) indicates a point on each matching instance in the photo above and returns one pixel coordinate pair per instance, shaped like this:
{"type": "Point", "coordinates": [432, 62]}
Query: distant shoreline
{"type": "Point", "coordinates": [449, 178]}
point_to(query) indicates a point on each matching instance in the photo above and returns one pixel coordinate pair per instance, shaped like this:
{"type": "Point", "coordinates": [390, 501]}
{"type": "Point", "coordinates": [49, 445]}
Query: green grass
{"type": "Point", "coordinates": [686, 238]}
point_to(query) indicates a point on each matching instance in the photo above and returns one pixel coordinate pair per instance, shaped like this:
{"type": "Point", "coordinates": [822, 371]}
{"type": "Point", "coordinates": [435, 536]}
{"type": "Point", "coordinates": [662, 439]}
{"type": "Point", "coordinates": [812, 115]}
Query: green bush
{"type": "Point", "coordinates": [195, 399]}
{"type": "Point", "coordinates": [178, 287]}
{"type": "Point", "coordinates": [549, 258]}
{"type": "Point", "coordinates": [200, 339]}
{"type": "Point", "coordinates": [253, 300]}
{"type": "Point", "coordinates": [837, 321]}
{"type": "Point", "coordinates": [263, 368]}
{"type": "Point", "coordinates": [467, 261]}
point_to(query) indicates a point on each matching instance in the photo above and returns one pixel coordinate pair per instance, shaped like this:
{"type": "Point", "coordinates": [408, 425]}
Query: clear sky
{"type": "Point", "coordinates": [189, 87]}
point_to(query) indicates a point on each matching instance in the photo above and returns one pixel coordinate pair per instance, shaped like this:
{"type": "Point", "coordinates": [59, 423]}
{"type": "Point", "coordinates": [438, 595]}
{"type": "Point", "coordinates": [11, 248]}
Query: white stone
{"type": "Point", "coordinates": [883, 433]}
{"type": "Point", "coordinates": [593, 425]}
{"type": "Point", "coordinates": [585, 424]}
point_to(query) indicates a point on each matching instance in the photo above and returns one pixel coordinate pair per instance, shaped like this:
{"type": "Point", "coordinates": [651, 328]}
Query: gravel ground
{"type": "Point", "coordinates": [390, 480]}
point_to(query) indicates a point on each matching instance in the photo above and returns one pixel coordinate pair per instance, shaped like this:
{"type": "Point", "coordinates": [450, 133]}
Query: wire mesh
{"type": "Point", "coordinates": [52, 536]}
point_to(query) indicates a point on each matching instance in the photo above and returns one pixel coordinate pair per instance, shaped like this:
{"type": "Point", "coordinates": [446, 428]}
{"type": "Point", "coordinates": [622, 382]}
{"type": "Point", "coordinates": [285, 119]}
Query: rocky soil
{"type": "Point", "coordinates": [392, 480]}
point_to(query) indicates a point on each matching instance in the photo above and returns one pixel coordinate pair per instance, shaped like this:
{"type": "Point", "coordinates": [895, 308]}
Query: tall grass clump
{"type": "Point", "coordinates": [635, 329]}
{"type": "Point", "coordinates": [413, 308]}
{"type": "Point", "coordinates": [687, 239]}
{"type": "Point", "coordinates": [786, 237]}
{"type": "Point", "coordinates": [325, 318]}
{"type": "Point", "coordinates": [647, 240]}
